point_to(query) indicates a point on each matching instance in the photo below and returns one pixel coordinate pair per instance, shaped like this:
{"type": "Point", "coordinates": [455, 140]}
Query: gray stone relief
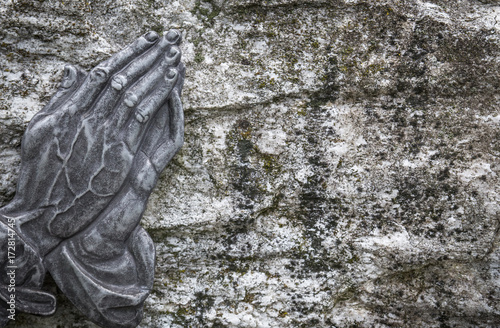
{"type": "Point", "coordinates": [90, 160]}
{"type": "Point", "coordinates": [341, 163]}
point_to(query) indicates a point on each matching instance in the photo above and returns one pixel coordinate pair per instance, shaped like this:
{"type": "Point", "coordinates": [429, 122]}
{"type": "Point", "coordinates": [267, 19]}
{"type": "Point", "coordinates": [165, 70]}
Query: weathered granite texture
{"type": "Point", "coordinates": [340, 165]}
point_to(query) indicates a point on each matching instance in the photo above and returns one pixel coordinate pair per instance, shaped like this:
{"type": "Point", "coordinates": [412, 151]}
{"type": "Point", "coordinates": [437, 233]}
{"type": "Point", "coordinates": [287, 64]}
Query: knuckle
{"type": "Point", "coordinates": [118, 82]}
{"type": "Point", "coordinates": [99, 74]}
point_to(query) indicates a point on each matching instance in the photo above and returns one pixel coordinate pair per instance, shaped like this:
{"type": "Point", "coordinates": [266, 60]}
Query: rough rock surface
{"type": "Point", "coordinates": [341, 164]}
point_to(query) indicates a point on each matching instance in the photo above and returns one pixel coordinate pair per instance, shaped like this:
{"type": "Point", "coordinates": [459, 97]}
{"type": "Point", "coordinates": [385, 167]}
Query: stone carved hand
{"type": "Point", "coordinates": [90, 160]}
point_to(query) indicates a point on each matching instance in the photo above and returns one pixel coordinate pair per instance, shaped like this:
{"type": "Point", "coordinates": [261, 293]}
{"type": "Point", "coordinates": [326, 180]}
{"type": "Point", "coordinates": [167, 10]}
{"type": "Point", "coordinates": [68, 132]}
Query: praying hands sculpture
{"type": "Point", "coordinates": [90, 160]}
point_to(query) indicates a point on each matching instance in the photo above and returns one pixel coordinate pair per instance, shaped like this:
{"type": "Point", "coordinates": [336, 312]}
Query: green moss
{"type": "Point", "coordinates": [205, 14]}
{"type": "Point", "coordinates": [183, 311]}
{"type": "Point", "coordinates": [353, 259]}
{"type": "Point", "coordinates": [265, 82]}
{"type": "Point", "coordinates": [158, 28]}
{"type": "Point", "coordinates": [283, 314]}
{"type": "Point", "coordinates": [302, 112]}
{"type": "Point", "coordinates": [347, 294]}
{"type": "Point", "coordinates": [249, 297]}
{"type": "Point", "coordinates": [270, 163]}
{"type": "Point", "coordinates": [198, 57]}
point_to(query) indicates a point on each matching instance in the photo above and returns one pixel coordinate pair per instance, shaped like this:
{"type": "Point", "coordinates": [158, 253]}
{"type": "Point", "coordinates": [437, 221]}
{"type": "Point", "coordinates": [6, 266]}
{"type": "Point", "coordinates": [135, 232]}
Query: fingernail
{"type": "Point", "coordinates": [171, 73]}
{"type": "Point", "coordinates": [174, 36]}
{"type": "Point", "coordinates": [99, 74]}
{"type": "Point", "coordinates": [69, 77]}
{"type": "Point", "coordinates": [151, 36]}
{"type": "Point", "coordinates": [67, 71]}
{"type": "Point", "coordinates": [172, 52]}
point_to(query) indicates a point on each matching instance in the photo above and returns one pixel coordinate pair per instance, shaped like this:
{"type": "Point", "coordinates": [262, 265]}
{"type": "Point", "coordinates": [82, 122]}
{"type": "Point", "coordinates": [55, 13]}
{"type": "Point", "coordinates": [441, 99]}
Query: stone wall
{"type": "Point", "coordinates": [341, 159]}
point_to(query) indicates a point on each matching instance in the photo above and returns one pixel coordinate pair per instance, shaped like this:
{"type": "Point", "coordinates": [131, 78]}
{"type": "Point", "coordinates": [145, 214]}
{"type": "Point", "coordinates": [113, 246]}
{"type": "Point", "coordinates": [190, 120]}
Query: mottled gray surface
{"type": "Point", "coordinates": [340, 164]}
{"type": "Point", "coordinates": [89, 162]}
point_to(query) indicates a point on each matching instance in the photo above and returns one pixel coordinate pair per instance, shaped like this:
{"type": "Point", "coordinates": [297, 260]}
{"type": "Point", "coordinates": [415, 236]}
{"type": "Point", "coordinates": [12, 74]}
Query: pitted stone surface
{"type": "Point", "coordinates": [340, 164]}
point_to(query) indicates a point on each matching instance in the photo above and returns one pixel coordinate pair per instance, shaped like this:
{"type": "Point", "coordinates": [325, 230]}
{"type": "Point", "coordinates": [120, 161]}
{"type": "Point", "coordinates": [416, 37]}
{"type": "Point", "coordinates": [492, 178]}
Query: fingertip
{"type": "Point", "coordinates": [151, 36]}
{"type": "Point", "coordinates": [100, 74]}
{"type": "Point", "coordinates": [68, 70]}
{"type": "Point", "coordinates": [69, 77]}
{"type": "Point", "coordinates": [171, 73]}
{"type": "Point", "coordinates": [172, 57]}
{"type": "Point", "coordinates": [174, 36]}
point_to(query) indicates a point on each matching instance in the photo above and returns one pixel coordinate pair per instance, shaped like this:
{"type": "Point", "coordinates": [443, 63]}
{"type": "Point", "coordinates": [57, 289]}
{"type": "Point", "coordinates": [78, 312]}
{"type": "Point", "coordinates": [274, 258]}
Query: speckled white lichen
{"type": "Point", "coordinates": [341, 163]}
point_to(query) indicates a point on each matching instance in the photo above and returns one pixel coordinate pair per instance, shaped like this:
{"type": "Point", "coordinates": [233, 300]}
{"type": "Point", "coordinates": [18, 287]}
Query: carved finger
{"type": "Point", "coordinates": [173, 136]}
{"type": "Point", "coordinates": [137, 48]}
{"type": "Point", "coordinates": [154, 78]}
{"type": "Point", "coordinates": [164, 125]}
{"type": "Point", "coordinates": [143, 250]}
{"type": "Point", "coordinates": [143, 64]}
{"type": "Point", "coordinates": [174, 36]}
{"type": "Point", "coordinates": [121, 81]}
{"type": "Point", "coordinates": [96, 79]}
{"type": "Point", "coordinates": [70, 81]}
{"type": "Point", "coordinates": [35, 301]}
{"type": "Point", "coordinates": [81, 99]}
{"type": "Point", "coordinates": [156, 131]}
{"type": "Point", "coordinates": [149, 106]}
{"type": "Point", "coordinates": [135, 94]}
{"type": "Point", "coordinates": [135, 128]}
{"type": "Point", "coordinates": [177, 122]}
{"type": "Point", "coordinates": [72, 77]}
